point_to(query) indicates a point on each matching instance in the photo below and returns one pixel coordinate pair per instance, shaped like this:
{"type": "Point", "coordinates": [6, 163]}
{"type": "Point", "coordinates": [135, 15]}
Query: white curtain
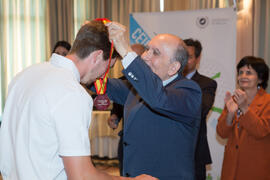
{"type": "Point", "coordinates": [176, 5]}
{"type": "Point", "coordinates": [22, 37]}
{"type": "Point", "coordinates": [59, 24]}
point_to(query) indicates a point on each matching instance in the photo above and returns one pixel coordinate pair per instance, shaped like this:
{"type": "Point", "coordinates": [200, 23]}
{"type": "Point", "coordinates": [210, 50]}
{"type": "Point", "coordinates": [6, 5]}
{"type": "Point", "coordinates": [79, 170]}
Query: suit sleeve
{"type": "Point", "coordinates": [208, 97]}
{"type": "Point", "coordinates": [118, 108]}
{"type": "Point", "coordinates": [180, 99]}
{"type": "Point", "coordinates": [257, 123]}
{"type": "Point", "coordinates": [223, 129]}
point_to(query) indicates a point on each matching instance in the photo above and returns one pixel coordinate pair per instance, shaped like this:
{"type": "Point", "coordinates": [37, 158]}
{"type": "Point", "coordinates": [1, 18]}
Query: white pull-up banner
{"type": "Point", "coordinates": [216, 30]}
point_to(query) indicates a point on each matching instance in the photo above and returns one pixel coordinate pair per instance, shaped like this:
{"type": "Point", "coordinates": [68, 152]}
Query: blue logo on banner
{"type": "Point", "coordinates": [136, 32]}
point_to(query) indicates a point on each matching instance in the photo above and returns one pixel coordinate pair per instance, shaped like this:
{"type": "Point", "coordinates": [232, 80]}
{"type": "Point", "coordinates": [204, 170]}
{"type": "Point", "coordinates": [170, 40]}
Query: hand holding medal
{"type": "Point", "coordinates": [119, 36]}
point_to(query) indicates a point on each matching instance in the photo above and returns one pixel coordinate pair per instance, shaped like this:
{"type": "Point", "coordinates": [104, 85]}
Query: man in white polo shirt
{"type": "Point", "coordinates": [44, 133]}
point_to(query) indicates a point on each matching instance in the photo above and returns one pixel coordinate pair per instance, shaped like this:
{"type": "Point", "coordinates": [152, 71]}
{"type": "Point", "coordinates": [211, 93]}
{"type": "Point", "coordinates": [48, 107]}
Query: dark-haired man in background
{"type": "Point", "coordinates": [208, 87]}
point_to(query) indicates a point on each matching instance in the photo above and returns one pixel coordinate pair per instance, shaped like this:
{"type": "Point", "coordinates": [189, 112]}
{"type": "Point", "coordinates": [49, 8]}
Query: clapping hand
{"type": "Point", "coordinates": [230, 103]}
{"type": "Point", "coordinates": [240, 98]}
{"type": "Point", "coordinates": [231, 106]}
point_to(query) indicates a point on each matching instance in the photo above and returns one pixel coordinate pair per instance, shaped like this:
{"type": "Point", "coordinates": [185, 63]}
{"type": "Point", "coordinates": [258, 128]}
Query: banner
{"type": "Point", "coordinates": [216, 30]}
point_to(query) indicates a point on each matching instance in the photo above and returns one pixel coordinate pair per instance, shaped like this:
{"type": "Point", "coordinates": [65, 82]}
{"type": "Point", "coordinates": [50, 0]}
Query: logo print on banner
{"type": "Point", "coordinates": [202, 22]}
{"type": "Point", "coordinates": [137, 34]}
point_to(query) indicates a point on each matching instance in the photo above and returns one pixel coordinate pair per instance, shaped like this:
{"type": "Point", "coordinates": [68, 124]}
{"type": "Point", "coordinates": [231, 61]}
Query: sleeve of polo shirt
{"type": "Point", "coordinates": [72, 117]}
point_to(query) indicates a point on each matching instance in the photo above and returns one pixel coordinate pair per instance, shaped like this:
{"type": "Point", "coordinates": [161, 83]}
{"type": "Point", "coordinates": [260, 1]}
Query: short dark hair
{"type": "Point", "coordinates": [196, 44]}
{"type": "Point", "coordinates": [259, 65]}
{"type": "Point", "coordinates": [91, 37]}
{"type": "Point", "coordinates": [64, 44]}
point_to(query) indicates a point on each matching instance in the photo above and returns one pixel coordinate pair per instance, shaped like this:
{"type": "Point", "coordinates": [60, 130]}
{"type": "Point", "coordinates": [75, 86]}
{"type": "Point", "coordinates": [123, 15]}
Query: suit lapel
{"type": "Point", "coordinates": [196, 76]}
{"type": "Point", "coordinates": [258, 100]}
{"type": "Point", "coordinates": [176, 79]}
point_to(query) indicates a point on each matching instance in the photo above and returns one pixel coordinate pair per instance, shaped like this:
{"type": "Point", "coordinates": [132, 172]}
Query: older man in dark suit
{"type": "Point", "coordinates": [208, 87]}
{"type": "Point", "coordinates": [161, 111]}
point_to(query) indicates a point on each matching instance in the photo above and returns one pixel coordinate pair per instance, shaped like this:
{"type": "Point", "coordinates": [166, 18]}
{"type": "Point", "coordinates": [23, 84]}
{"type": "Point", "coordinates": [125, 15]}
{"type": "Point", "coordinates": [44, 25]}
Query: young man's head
{"type": "Point", "coordinates": [194, 48]}
{"type": "Point", "coordinates": [91, 51]}
{"type": "Point", "coordinates": [92, 36]}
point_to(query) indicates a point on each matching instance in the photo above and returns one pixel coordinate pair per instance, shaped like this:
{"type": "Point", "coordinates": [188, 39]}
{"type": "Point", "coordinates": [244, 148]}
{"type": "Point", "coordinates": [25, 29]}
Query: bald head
{"type": "Point", "coordinates": [166, 55]}
{"type": "Point", "coordinates": [175, 47]}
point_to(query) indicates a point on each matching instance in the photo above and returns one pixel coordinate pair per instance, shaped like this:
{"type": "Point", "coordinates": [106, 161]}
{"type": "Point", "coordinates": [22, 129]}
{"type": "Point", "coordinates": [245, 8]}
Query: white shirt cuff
{"type": "Point", "coordinates": [128, 59]}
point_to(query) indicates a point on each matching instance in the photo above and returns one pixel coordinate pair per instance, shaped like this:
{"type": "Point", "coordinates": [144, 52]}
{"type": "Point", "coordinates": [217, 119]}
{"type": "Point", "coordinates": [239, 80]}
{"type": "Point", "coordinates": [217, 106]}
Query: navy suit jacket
{"type": "Point", "coordinates": [161, 123]}
{"type": "Point", "coordinates": [208, 87]}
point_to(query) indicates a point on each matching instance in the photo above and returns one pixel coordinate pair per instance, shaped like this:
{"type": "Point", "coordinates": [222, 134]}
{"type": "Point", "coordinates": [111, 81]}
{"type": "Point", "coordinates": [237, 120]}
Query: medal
{"type": "Point", "coordinates": [102, 101]}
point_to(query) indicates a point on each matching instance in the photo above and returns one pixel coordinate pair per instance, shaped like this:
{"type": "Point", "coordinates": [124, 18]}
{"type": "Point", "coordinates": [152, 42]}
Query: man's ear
{"type": "Point", "coordinates": [96, 56]}
{"type": "Point", "coordinates": [174, 68]}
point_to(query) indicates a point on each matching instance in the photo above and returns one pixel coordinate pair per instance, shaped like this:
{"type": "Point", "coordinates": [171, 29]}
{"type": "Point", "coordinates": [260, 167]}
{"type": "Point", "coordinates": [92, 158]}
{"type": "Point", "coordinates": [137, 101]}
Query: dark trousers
{"type": "Point", "coordinates": [120, 155]}
{"type": "Point", "coordinates": [200, 171]}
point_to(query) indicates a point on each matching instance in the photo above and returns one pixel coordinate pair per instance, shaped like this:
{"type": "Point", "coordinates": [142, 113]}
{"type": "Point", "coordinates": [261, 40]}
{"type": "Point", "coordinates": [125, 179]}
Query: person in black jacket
{"type": "Point", "coordinates": [208, 87]}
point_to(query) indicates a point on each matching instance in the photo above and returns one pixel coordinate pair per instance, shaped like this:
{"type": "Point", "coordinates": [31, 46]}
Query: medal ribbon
{"type": "Point", "coordinates": [101, 83]}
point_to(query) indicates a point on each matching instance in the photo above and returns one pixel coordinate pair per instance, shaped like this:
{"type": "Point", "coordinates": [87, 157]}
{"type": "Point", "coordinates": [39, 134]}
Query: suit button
{"type": "Point", "coordinates": [125, 143]}
{"type": "Point", "coordinates": [127, 174]}
{"type": "Point", "coordinates": [236, 146]}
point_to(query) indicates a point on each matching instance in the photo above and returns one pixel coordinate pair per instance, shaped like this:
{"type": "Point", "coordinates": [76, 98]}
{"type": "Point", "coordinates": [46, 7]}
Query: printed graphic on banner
{"type": "Point", "coordinates": [137, 34]}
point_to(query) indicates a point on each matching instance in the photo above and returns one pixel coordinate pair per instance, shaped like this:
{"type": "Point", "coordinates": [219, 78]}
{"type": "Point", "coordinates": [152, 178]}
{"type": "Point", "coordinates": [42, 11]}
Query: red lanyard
{"type": "Point", "coordinates": [101, 84]}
